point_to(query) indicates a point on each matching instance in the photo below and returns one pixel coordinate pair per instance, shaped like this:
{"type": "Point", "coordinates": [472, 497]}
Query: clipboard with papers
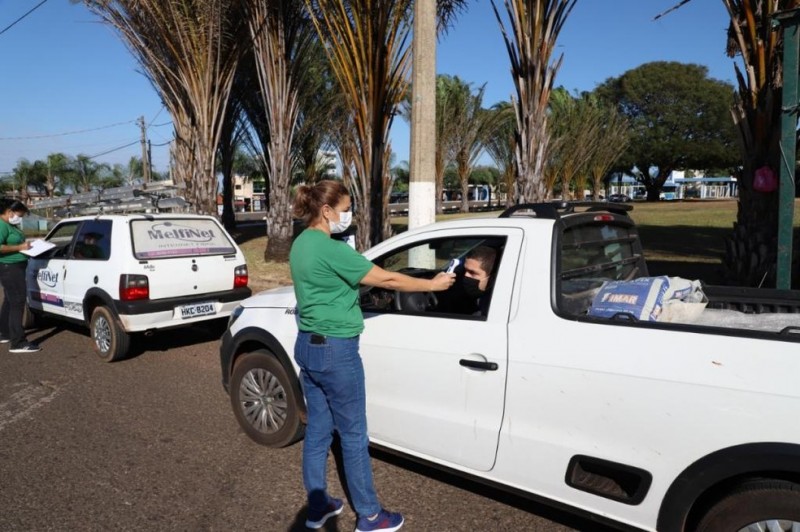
{"type": "Point", "coordinates": [37, 248]}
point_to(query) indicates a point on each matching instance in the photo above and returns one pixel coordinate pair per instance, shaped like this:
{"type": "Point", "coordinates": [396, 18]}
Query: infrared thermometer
{"type": "Point", "coordinates": [451, 267]}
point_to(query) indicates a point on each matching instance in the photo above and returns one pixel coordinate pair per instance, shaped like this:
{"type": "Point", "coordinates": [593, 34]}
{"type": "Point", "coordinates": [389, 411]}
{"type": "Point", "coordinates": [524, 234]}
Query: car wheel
{"type": "Point", "coordinates": [264, 400]}
{"type": "Point", "coordinates": [111, 342]}
{"type": "Point", "coordinates": [756, 505]}
{"type": "Point", "coordinates": [31, 319]}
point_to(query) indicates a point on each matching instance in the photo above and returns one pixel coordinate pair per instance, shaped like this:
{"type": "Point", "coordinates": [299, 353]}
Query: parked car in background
{"type": "Point", "coordinates": [137, 273]}
{"type": "Point", "coordinates": [619, 198]}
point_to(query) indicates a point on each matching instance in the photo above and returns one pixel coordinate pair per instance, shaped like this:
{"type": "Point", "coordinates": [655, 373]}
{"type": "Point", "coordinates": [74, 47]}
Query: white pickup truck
{"type": "Point", "coordinates": [650, 424]}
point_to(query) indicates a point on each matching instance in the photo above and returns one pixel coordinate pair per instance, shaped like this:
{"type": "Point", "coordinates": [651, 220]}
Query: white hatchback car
{"type": "Point", "coordinates": [136, 273]}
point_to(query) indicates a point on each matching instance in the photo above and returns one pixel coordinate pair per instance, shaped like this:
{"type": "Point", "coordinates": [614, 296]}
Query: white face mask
{"type": "Point", "coordinates": [15, 220]}
{"type": "Point", "coordinates": [344, 222]}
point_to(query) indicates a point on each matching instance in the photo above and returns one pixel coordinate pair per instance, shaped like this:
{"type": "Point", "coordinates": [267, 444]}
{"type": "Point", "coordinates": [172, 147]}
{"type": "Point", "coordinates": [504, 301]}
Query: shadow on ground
{"type": "Point", "coordinates": [562, 517]}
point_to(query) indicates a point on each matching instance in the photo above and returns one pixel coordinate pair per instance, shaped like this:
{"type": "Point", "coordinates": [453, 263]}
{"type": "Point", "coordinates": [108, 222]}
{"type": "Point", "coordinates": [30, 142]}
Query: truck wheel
{"type": "Point", "coordinates": [111, 342]}
{"type": "Point", "coordinates": [756, 505]}
{"type": "Point", "coordinates": [264, 400]}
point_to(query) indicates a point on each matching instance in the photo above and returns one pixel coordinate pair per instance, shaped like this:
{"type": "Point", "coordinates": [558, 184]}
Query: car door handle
{"type": "Point", "coordinates": [477, 364]}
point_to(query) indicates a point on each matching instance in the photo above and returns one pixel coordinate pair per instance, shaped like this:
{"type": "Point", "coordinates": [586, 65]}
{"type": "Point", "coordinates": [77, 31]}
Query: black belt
{"type": "Point", "coordinates": [318, 339]}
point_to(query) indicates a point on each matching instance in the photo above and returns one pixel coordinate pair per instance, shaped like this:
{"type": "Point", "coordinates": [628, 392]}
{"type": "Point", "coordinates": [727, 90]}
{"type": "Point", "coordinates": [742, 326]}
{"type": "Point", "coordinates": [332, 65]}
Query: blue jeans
{"type": "Point", "coordinates": [333, 384]}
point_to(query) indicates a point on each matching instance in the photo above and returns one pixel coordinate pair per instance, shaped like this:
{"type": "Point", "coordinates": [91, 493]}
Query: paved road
{"type": "Point", "coordinates": [150, 443]}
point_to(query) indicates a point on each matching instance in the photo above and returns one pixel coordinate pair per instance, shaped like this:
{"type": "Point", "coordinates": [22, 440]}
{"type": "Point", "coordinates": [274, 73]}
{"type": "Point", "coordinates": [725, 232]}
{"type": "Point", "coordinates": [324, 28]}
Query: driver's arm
{"type": "Point", "coordinates": [381, 278]}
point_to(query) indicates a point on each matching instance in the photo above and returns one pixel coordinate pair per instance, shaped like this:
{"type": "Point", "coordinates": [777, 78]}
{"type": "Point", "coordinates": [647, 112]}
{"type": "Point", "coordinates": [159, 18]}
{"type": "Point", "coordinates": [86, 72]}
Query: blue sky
{"type": "Point", "coordinates": [66, 72]}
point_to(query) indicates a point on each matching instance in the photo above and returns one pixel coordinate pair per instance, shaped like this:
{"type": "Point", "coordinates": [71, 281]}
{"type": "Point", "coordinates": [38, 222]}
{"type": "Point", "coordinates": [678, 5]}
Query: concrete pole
{"type": "Point", "coordinates": [422, 185]}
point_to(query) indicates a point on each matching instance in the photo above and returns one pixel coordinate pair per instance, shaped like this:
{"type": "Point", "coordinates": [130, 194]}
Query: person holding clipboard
{"type": "Point", "coordinates": [12, 276]}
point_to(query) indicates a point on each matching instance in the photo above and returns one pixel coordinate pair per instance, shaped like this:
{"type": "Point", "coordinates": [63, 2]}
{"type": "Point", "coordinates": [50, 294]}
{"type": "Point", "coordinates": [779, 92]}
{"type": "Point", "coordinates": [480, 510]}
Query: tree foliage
{"type": "Point", "coordinates": [500, 144]}
{"type": "Point", "coordinates": [679, 119]}
{"type": "Point", "coordinates": [189, 50]}
{"type": "Point", "coordinates": [534, 26]}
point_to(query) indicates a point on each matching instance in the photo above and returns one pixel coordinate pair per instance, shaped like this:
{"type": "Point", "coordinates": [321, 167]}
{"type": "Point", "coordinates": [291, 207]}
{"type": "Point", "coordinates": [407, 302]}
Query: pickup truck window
{"type": "Point", "coordinates": [591, 254]}
{"type": "Point", "coordinates": [426, 259]}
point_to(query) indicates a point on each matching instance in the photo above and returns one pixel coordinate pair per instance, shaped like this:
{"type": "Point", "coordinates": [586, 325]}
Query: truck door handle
{"type": "Point", "coordinates": [476, 364]}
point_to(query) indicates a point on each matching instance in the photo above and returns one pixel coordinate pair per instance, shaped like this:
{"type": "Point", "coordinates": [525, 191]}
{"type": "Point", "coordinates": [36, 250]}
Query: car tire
{"type": "Point", "coordinates": [31, 319]}
{"type": "Point", "coordinates": [768, 504]}
{"type": "Point", "coordinates": [111, 342]}
{"type": "Point", "coordinates": [264, 400]}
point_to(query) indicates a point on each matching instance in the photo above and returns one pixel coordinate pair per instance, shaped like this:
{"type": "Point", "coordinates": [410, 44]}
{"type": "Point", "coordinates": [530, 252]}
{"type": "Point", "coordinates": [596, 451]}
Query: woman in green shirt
{"type": "Point", "coordinates": [326, 275]}
{"type": "Point", "coordinates": [12, 276]}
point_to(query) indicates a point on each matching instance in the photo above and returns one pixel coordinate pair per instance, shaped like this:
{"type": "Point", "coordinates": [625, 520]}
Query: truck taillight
{"type": "Point", "coordinates": [133, 287]}
{"type": "Point", "coordinates": [240, 276]}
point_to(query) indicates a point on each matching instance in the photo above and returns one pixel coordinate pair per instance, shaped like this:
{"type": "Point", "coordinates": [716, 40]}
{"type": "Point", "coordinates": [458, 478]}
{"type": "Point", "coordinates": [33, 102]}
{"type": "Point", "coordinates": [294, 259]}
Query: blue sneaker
{"type": "Point", "coordinates": [385, 521]}
{"type": "Point", "coordinates": [317, 519]}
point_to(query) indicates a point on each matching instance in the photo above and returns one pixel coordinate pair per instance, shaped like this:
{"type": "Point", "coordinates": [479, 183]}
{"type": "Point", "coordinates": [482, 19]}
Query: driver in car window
{"type": "Point", "coordinates": [478, 267]}
{"type": "Point", "coordinates": [326, 274]}
{"type": "Point", "coordinates": [88, 249]}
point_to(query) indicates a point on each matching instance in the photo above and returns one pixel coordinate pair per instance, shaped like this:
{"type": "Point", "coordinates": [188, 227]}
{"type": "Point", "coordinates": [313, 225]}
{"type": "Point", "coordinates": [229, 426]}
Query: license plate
{"type": "Point", "coordinates": [195, 310]}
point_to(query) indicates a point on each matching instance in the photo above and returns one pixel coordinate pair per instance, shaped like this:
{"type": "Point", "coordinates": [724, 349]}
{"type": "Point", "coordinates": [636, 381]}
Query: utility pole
{"type": "Point", "coordinates": [422, 170]}
{"type": "Point", "coordinates": [145, 155]}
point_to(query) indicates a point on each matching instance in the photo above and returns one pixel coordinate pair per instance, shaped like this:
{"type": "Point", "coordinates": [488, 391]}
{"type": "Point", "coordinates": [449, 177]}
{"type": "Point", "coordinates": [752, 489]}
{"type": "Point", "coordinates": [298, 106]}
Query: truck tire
{"type": "Point", "coordinates": [264, 400]}
{"type": "Point", "coordinates": [111, 342]}
{"type": "Point", "coordinates": [756, 505]}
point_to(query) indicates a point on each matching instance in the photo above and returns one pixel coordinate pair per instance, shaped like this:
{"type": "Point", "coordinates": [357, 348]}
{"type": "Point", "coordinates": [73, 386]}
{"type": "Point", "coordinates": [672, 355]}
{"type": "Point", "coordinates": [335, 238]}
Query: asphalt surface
{"type": "Point", "coordinates": [150, 443]}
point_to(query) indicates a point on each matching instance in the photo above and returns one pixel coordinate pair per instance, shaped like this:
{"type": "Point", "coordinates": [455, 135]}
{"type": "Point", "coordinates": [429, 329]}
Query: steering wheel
{"type": "Point", "coordinates": [415, 301]}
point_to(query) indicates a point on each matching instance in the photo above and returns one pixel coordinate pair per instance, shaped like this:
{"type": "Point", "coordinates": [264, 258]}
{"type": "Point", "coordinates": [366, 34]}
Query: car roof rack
{"type": "Point", "coordinates": [149, 197]}
{"type": "Point", "coordinates": [554, 210]}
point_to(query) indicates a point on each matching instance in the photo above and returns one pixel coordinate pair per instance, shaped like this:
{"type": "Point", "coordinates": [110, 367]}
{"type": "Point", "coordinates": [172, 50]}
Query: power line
{"type": "Point", "coordinates": [114, 149]}
{"type": "Point", "coordinates": [68, 132]}
{"type": "Point", "coordinates": [37, 6]}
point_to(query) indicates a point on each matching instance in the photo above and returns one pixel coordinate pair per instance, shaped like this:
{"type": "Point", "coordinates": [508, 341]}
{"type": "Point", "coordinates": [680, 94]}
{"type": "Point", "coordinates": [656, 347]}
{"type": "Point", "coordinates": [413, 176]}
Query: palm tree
{"type": "Point", "coordinates": [233, 130]}
{"type": "Point", "coordinates": [21, 177]}
{"type": "Point", "coordinates": [281, 35]}
{"type": "Point", "coordinates": [321, 104]}
{"type": "Point", "coordinates": [574, 137]}
{"type": "Point", "coordinates": [57, 165]}
{"type": "Point", "coordinates": [614, 137]}
{"type": "Point", "coordinates": [751, 250]}
{"type": "Point", "coordinates": [88, 175]}
{"type": "Point", "coordinates": [500, 145]}
{"type": "Point", "coordinates": [367, 45]}
{"type": "Point", "coordinates": [470, 124]}
{"type": "Point", "coordinates": [447, 96]}
{"type": "Point", "coordinates": [189, 51]}
{"type": "Point", "coordinates": [534, 29]}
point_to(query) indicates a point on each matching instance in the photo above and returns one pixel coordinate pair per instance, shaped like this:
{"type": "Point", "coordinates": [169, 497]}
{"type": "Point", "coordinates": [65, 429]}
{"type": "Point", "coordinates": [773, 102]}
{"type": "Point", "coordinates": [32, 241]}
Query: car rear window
{"type": "Point", "coordinates": [591, 254]}
{"type": "Point", "coordinates": [179, 237]}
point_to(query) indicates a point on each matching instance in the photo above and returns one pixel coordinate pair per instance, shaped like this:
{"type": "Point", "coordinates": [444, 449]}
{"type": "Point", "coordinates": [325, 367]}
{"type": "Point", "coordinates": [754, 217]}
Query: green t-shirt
{"type": "Point", "coordinates": [326, 274]}
{"type": "Point", "coordinates": [11, 236]}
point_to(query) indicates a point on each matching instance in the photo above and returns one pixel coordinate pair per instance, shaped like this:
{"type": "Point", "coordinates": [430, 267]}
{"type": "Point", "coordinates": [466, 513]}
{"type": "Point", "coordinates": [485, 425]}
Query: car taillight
{"type": "Point", "coordinates": [240, 276]}
{"type": "Point", "coordinates": [133, 287]}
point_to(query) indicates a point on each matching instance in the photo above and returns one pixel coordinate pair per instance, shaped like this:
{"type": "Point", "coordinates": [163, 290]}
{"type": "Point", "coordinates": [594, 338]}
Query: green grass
{"type": "Point", "coordinates": [681, 238]}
